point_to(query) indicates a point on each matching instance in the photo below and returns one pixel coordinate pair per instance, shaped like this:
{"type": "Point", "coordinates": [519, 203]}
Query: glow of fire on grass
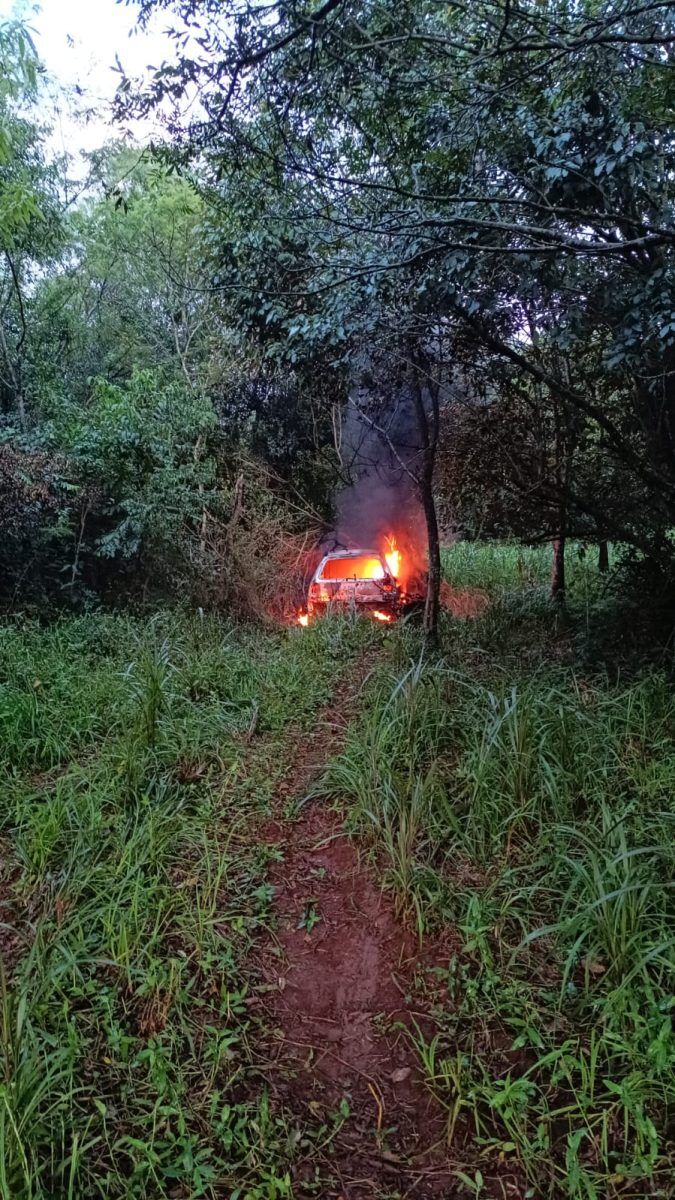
{"type": "Point", "coordinates": [303, 619]}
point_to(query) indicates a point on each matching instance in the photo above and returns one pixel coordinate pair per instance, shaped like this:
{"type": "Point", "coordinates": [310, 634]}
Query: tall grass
{"type": "Point", "coordinates": [512, 792]}
{"type": "Point", "coordinates": [499, 566]}
{"type": "Point", "coordinates": [138, 758]}
{"type": "Point", "coordinates": [532, 804]}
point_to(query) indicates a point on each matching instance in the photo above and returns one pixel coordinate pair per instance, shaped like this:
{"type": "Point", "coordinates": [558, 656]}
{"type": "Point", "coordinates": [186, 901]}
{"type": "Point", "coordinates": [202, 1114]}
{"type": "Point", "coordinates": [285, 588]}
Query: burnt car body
{"type": "Point", "coordinates": [356, 579]}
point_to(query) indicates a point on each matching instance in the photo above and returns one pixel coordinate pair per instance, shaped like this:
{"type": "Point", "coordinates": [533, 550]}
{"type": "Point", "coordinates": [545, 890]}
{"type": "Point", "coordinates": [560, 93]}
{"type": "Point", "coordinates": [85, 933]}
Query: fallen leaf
{"type": "Point", "coordinates": [593, 965]}
{"type": "Point", "coordinates": [400, 1074]}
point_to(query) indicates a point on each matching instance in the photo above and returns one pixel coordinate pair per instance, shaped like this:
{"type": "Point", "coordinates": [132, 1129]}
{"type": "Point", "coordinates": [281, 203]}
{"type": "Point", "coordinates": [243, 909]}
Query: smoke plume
{"type": "Point", "coordinates": [380, 452]}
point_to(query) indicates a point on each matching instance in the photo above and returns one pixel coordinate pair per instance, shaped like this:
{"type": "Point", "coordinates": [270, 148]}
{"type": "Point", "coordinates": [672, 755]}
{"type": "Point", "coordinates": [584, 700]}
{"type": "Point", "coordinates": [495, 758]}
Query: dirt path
{"type": "Point", "coordinates": [340, 1002]}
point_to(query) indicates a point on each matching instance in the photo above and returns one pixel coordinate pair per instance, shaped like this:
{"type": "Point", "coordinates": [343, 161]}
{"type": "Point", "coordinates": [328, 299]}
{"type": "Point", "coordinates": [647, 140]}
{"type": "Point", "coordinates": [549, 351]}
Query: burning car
{"type": "Point", "coordinates": [357, 579]}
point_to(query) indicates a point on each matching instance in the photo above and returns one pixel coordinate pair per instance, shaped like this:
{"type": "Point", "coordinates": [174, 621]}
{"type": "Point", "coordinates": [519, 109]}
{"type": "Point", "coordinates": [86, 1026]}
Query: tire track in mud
{"type": "Point", "coordinates": [339, 989]}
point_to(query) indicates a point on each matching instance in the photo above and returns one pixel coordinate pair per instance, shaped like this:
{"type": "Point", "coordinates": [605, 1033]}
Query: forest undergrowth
{"type": "Point", "coordinates": [512, 789]}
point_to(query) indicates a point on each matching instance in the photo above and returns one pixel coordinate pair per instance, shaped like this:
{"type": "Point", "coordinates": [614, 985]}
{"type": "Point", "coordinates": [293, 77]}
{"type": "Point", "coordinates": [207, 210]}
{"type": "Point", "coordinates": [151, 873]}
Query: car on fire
{"type": "Point", "coordinates": [355, 579]}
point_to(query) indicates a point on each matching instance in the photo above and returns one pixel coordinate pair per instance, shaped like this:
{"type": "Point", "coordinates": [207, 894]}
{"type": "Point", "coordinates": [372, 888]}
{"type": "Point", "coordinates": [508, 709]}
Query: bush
{"type": "Point", "coordinates": [137, 493]}
{"type": "Point", "coordinates": [33, 495]}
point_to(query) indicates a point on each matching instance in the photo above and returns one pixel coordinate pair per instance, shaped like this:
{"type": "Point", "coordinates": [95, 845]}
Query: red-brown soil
{"type": "Point", "coordinates": [341, 1004]}
{"type": "Point", "coordinates": [11, 941]}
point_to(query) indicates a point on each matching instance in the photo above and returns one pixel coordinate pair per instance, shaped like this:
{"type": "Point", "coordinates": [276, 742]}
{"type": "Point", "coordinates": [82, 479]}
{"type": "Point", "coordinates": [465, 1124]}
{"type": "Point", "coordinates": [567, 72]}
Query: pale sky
{"type": "Point", "coordinates": [77, 41]}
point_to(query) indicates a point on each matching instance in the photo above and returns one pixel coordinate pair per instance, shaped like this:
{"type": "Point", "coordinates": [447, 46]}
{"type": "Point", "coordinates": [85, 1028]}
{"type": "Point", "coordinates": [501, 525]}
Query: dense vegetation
{"type": "Point", "coordinates": [456, 222]}
{"type": "Point", "coordinates": [130, 797]}
{"type": "Point", "coordinates": [515, 793]}
{"type": "Point", "coordinates": [471, 213]}
{"type": "Point", "coordinates": [475, 200]}
{"type": "Point", "coordinates": [129, 407]}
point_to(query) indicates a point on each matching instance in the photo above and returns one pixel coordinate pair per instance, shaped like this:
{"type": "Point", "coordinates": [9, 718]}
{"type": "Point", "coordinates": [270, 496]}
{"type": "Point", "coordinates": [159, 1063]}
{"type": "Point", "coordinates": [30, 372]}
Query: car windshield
{"type": "Point", "coordinates": [360, 566]}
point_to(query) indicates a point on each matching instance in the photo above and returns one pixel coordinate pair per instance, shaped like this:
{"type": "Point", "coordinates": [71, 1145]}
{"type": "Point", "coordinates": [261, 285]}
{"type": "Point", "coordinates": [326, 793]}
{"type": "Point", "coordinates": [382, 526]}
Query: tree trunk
{"type": "Point", "coordinates": [426, 401]}
{"type": "Point", "coordinates": [16, 367]}
{"type": "Point", "coordinates": [561, 467]}
{"type": "Point", "coordinates": [432, 601]}
{"type": "Point", "coordinates": [558, 569]}
{"type": "Point", "coordinates": [603, 556]}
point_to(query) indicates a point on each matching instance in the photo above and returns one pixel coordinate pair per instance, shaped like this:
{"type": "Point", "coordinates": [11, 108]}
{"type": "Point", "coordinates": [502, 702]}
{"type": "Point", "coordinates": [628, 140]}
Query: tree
{"type": "Point", "coordinates": [129, 398]}
{"type": "Point", "coordinates": [505, 164]}
{"type": "Point", "coordinates": [29, 212]}
{"type": "Point", "coordinates": [129, 291]}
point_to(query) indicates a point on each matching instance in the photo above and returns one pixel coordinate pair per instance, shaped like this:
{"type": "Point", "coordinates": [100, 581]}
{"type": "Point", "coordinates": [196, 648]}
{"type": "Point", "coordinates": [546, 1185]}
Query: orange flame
{"type": "Point", "coordinates": [363, 566]}
{"type": "Point", "coordinates": [382, 616]}
{"type": "Point", "coordinates": [303, 619]}
{"type": "Point", "coordinates": [392, 556]}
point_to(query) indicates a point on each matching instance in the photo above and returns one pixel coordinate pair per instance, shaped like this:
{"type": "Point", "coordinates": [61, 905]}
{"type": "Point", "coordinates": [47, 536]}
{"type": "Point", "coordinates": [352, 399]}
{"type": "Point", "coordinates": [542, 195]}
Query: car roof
{"type": "Point", "coordinates": [352, 554]}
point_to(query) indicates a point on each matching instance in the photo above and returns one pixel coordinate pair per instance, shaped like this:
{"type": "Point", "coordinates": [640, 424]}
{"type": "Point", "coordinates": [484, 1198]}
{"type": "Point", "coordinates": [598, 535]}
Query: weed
{"type": "Point", "coordinates": [309, 917]}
